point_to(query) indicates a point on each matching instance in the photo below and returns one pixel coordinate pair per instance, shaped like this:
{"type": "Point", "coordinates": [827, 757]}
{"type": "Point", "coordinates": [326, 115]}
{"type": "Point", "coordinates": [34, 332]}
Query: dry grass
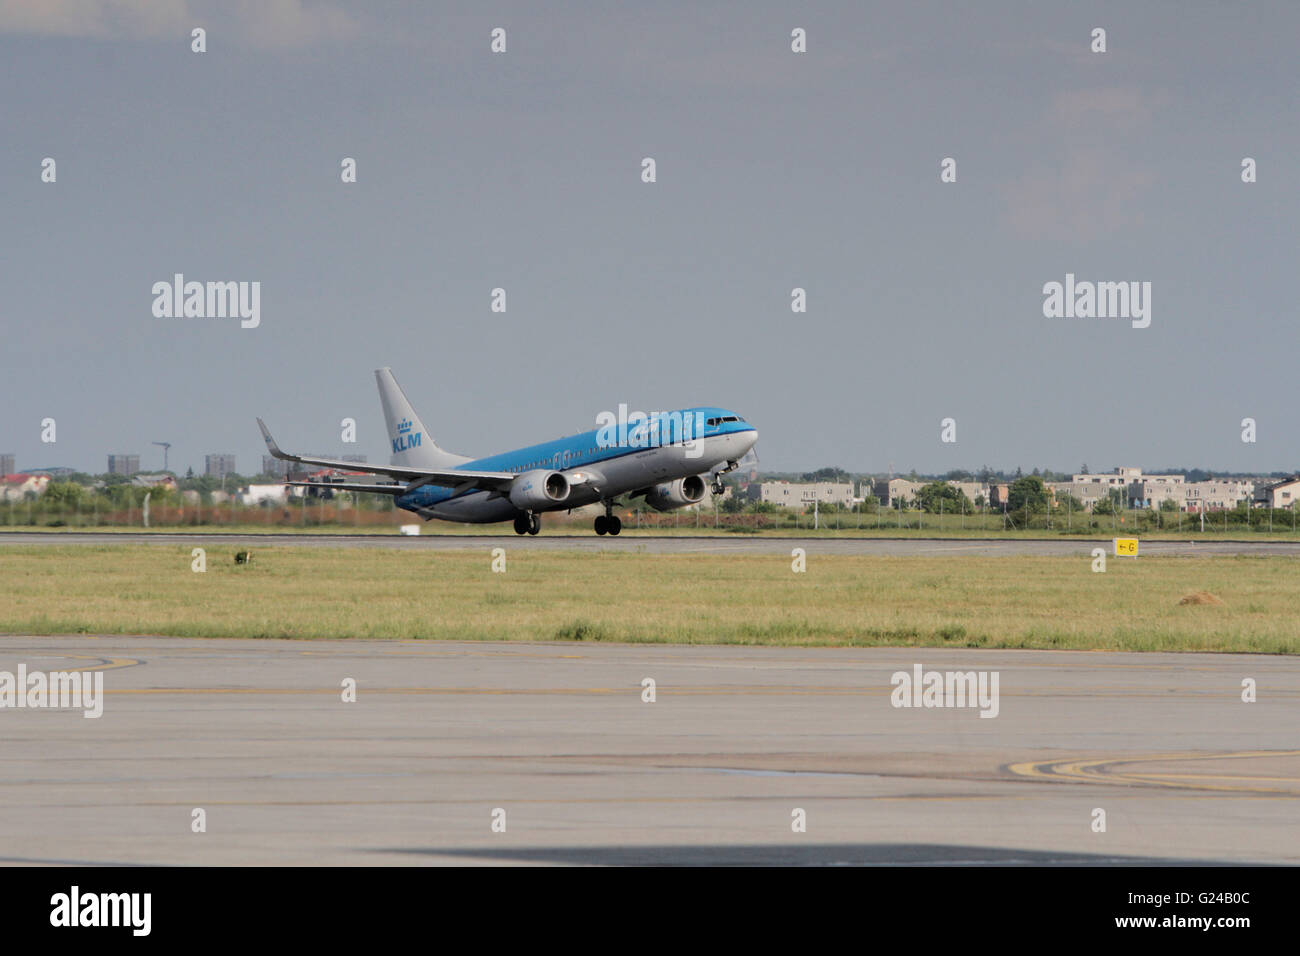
{"type": "Point", "coordinates": [1201, 597]}
{"type": "Point", "coordinates": [1032, 602]}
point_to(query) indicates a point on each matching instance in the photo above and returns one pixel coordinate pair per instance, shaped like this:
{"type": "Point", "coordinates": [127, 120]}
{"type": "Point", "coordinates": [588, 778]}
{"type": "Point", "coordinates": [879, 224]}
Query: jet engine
{"type": "Point", "coordinates": [539, 490]}
{"type": "Point", "coordinates": [676, 494]}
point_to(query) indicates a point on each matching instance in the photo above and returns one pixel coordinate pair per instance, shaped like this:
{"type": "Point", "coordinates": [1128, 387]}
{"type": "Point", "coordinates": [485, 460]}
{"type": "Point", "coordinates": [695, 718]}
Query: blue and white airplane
{"type": "Point", "coordinates": [669, 458]}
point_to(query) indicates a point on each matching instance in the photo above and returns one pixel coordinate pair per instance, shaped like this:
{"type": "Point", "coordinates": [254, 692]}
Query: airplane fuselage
{"type": "Point", "coordinates": [597, 469]}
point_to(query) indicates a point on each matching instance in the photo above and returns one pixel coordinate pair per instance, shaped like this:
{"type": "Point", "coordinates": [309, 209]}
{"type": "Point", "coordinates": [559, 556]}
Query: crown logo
{"type": "Point", "coordinates": [403, 426]}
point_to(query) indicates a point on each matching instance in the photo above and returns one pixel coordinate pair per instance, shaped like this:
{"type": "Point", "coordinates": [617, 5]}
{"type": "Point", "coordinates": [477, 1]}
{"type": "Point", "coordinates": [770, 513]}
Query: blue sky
{"type": "Point", "coordinates": [775, 170]}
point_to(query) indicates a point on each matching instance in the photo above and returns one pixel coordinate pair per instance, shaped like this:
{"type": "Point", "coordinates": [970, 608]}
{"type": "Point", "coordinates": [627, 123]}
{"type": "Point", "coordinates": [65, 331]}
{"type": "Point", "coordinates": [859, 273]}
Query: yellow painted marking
{"type": "Point", "coordinates": [1098, 770]}
{"type": "Point", "coordinates": [105, 663]}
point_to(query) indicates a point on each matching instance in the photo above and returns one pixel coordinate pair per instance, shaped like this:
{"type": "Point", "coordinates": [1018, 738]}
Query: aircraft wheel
{"type": "Point", "coordinates": [614, 525]}
{"type": "Point", "coordinates": [602, 524]}
{"type": "Point", "coordinates": [534, 524]}
{"type": "Point", "coordinates": [718, 488]}
{"type": "Point", "coordinates": [521, 524]}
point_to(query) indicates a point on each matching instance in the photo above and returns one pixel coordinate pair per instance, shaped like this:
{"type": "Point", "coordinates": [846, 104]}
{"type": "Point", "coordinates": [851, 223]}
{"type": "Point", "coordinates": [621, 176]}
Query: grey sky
{"type": "Point", "coordinates": [775, 170]}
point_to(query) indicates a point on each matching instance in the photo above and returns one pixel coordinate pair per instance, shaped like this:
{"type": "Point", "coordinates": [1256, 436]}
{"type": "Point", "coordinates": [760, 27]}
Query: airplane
{"type": "Point", "coordinates": [647, 459]}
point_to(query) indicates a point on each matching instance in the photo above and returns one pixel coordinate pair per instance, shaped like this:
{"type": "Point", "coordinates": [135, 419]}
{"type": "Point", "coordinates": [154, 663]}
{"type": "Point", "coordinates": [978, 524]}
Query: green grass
{"type": "Point", "coordinates": [931, 526]}
{"type": "Point", "coordinates": [951, 601]}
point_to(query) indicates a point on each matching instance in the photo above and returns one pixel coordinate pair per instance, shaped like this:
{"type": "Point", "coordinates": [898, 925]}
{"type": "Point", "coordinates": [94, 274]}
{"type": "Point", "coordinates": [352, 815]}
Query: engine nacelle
{"type": "Point", "coordinates": [539, 490]}
{"type": "Point", "coordinates": [676, 494]}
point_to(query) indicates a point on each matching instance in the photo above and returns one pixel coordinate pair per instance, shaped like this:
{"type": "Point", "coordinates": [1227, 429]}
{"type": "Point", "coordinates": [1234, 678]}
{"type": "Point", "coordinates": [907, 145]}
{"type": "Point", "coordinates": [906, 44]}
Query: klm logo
{"type": "Point", "coordinates": [406, 439]}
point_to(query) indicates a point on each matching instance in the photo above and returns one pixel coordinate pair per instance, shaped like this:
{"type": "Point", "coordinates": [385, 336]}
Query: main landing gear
{"type": "Point", "coordinates": [608, 523]}
{"type": "Point", "coordinates": [528, 524]}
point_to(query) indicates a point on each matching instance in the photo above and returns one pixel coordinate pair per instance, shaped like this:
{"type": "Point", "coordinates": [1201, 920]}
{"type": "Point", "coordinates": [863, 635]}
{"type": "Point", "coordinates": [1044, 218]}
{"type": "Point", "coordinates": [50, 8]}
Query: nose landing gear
{"type": "Point", "coordinates": [718, 487]}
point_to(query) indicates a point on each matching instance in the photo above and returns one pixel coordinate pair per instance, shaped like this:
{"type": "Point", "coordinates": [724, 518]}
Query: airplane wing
{"type": "Point", "coordinates": [389, 488]}
{"type": "Point", "coordinates": [460, 479]}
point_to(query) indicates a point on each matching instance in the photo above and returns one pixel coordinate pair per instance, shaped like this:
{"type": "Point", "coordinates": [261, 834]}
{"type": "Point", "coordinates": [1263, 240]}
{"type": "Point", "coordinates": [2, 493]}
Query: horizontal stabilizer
{"type": "Point", "coordinates": [446, 478]}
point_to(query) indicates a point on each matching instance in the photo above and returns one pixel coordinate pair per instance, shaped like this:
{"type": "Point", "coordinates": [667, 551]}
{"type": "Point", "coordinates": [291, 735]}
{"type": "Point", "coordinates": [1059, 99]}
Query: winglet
{"type": "Point", "coordinates": [271, 446]}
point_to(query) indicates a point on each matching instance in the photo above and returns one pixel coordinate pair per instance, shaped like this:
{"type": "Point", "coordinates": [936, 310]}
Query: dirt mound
{"type": "Point", "coordinates": [1201, 597]}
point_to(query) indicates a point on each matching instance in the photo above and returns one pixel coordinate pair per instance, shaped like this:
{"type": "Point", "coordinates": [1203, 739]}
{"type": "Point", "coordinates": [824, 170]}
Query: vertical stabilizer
{"type": "Point", "coordinates": [409, 441]}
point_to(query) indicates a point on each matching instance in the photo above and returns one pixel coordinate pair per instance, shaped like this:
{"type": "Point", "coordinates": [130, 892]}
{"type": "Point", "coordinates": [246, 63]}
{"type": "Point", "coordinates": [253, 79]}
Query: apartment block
{"type": "Point", "coordinates": [790, 494]}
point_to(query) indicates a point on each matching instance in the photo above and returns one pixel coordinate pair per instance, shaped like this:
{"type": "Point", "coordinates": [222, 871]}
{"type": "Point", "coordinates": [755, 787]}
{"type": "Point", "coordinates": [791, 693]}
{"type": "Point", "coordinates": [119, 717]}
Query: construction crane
{"type": "Point", "coordinates": [166, 446]}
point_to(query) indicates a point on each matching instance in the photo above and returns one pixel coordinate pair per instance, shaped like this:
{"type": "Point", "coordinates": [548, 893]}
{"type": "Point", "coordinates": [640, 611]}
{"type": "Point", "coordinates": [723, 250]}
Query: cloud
{"type": "Point", "coordinates": [249, 23]}
{"type": "Point", "coordinates": [1088, 187]}
{"type": "Point", "coordinates": [1090, 194]}
{"type": "Point", "coordinates": [94, 18]}
{"type": "Point", "coordinates": [1077, 111]}
{"type": "Point", "coordinates": [290, 23]}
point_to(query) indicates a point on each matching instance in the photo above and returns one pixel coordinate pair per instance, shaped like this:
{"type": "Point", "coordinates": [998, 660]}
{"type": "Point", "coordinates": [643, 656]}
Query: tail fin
{"type": "Point", "coordinates": [411, 443]}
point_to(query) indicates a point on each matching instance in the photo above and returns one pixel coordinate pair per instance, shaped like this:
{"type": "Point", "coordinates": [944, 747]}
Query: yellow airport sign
{"type": "Point", "coordinates": [1126, 547]}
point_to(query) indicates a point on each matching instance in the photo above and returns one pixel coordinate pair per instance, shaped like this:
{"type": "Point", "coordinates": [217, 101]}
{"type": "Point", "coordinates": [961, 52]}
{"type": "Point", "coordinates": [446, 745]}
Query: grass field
{"type": "Point", "coordinates": [929, 528]}
{"type": "Point", "coordinates": [1017, 602]}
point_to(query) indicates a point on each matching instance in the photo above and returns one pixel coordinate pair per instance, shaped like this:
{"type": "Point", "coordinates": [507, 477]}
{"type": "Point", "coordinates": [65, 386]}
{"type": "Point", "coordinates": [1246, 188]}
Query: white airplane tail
{"type": "Point", "coordinates": [410, 442]}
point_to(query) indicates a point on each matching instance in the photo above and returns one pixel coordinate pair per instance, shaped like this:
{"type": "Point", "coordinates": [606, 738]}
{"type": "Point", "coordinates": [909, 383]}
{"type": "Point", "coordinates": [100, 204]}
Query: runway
{"type": "Point", "coordinates": [256, 733]}
{"type": "Point", "coordinates": [671, 544]}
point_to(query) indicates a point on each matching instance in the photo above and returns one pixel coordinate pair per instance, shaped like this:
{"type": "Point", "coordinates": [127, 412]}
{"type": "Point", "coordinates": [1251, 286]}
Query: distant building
{"type": "Point", "coordinates": [1138, 490]}
{"type": "Point", "coordinates": [1151, 491]}
{"type": "Point", "coordinates": [1116, 479]}
{"type": "Point", "coordinates": [971, 489]}
{"type": "Point", "coordinates": [6, 464]}
{"type": "Point", "coordinates": [1216, 494]}
{"type": "Point", "coordinates": [791, 495]}
{"type": "Point", "coordinates": [1279, 494]}
{"type": "Point", "coordinates": [218, 466]}
{"type": "Point", "coordinates": [256, 494]}
{"type": "Point", "coordinates": [123, 464]}
{"type": "Point", "coordinates": [274, 466]}
{"type": "Point", "coordinates": [889, 491]}
{"type": "Point", "coordinates": [17, 487]}
{"type": "Point", "coordinates": [998, 494]}
{"type": "Point", "coordinates": [1087, 493]}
